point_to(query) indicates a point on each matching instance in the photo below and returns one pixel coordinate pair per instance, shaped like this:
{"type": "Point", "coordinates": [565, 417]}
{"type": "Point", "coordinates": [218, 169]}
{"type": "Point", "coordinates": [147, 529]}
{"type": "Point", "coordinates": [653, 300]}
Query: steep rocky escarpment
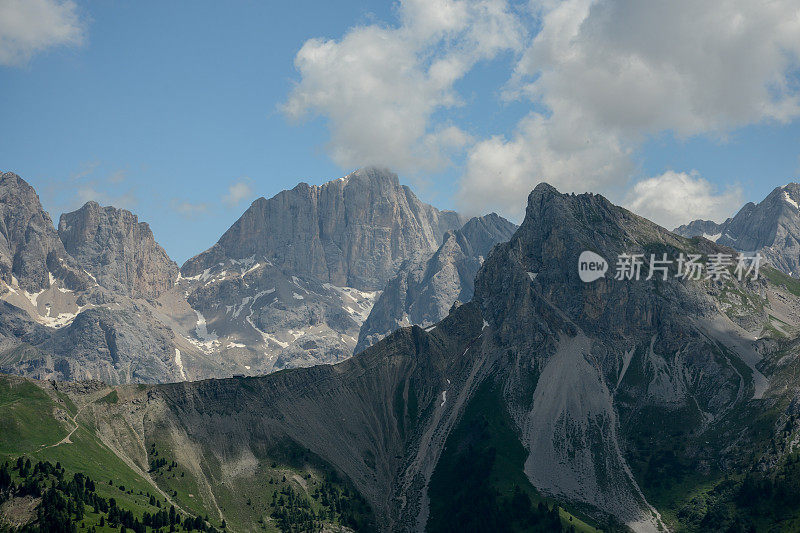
{"type": "Point", "coordinates": [425, 288]}
{"type": "Point", "coordinates": [592, 365]}
{"type": "Point", "coordinates": [351, 232]}
{"type": "Point", "coordinates": [292, 281]}
{"type": "Point", "coordinates": [30, 250]}
{"type": "Point", "coordinates": [118, 250]}
{"type": "Point", "coordinates": [380, 418]}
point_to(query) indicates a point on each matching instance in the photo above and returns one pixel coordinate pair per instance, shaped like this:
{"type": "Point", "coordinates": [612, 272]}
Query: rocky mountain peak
{"type": "Point", "coordinates": [771, 227]}
{"type": "Point", "coordinates": [354, 231]}
{"type": "Point", "coordinates": [30, 250]}
{"type": "Point", "coordinates": [589, 362]}
{"type": "Point", "coordinates": [118, 250]}
{"type": "Point", "coordinates": [426, 287]}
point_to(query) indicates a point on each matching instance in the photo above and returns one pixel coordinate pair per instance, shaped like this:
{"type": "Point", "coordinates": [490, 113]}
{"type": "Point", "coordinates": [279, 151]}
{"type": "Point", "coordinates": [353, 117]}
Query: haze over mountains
{"type": "Point", "coordinates": [289, 284]}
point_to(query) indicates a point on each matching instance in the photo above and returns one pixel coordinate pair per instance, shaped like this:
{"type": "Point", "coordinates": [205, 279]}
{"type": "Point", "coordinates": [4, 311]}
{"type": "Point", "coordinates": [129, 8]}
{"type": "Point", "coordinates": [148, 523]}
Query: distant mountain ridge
{"type": "Point", "coordinates": [351, 232]}
{"type": "Point", "coordinates": [425, 287]}
{"type": "Point", "coordinates": [771, 227]}
{"type": "Point", "coordinates": [289, 284]}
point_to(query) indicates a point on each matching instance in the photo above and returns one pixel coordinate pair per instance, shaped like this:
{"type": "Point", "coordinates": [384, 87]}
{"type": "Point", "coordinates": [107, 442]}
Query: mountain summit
{"type": "Point", "coordinates": [771, 227]}
{"type": "Point", "coordinates": [30, 250]}
{"type": "Point", "coordinates": [354, 231]}
{"type": "Point", "coordinates": [118, 250]}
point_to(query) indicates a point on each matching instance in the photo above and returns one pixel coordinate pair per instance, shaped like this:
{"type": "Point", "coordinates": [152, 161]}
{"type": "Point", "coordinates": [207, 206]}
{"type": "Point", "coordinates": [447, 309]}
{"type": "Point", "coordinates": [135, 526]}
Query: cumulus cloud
{"type": "Point", "coordinates": [640, 66]}
{"type": "Point", "coordinates": [379, 86]}
{"type": "Point", "coordinates": [676, 198]}
{"type": "Point", "coordinates": [599, 77]}
{"type": "Point", "coordinates": [610, 73]}
{"type": "Point", "coordinates": [28, 27]}
{"type": "Point", "coordinates": [500, 172]}
{"type": "Point", "coordinates": [237, 192]}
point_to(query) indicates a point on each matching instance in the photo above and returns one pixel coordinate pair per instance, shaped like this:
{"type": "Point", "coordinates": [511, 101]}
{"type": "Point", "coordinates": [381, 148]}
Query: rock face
{"type": "Point", "coordinates": [425, 288]}
{"type": "Point", "coordinates": [771, 227]}
{"type": "Point", "coordinates": [602, 380]}
{"type": "Point", "coordinates": [267, 319]}
{"type": "Point", "coordinates": [351, 232]}
{"type": "Point", "coordinates": [115, 346]}
{"type": "Point", "coordinates": [30, 250]}
{"type": "Point", "coordinates": [289, 284]}
{"type": "Point", "coordinates": [292, 281]}
{"type": "Point", "coordinates": [58, 322]}
{"type": "Point", "coordinates": [118, 250]}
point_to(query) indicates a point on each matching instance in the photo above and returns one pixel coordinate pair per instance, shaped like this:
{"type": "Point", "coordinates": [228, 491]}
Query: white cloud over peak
{"type": "Point", "coordinates": [599, 77]}
{"type": "Point", "coordinates": [676, 198]}
{"type": "Point", "coordinates": [609, 73]}
{"type": "Point", "coordinates": [241, 190]}
{"type": "Point", "coordinates": [380, 86]}
{"type": "Point", "coordinates": [28, 27]}
{"type": "Point", "coordinates": [88, 193]}
{"type": "Point", "coordinates": [501, 172]}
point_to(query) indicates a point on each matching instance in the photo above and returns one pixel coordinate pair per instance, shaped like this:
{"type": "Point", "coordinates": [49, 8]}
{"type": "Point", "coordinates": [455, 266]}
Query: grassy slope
{"type": "Point", "coordinates": [32, 422]}
{"type": "Point", "coordinates": [29, 427]}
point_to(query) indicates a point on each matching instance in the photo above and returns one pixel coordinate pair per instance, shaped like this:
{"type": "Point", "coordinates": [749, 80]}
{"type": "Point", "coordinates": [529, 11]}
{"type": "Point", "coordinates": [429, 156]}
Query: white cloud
{"type": "Point", "coordinates": [641, 66]}
{"type": "Point", "coordinates": [606, 74]}
{"type": "Point", "coordinates": [237, 192]}
{"type": "Point", "coordinates": [189, 209]}
{"type": "Point", "coordinates": [676, 198]}
{"type": "Point", "coordinates": [500, 172]}
{"type": "Point", "coordinates": [126, 200]}
{"type": "Point", "coordinates": [380, 86]}
{"type": "Point", "coordinates": [31, 26]}
{"type": "Point", "coordinates": [601, 77]}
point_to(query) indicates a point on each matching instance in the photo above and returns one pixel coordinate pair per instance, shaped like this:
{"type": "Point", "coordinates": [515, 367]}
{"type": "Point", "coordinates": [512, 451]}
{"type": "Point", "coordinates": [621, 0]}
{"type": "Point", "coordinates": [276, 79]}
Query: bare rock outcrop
{"type": "Point", "coordinates": [353, 232]}
{"type": "Point", "coordinates": [425, 288]}
{"type": "Point", "coordinates": [118, 250]}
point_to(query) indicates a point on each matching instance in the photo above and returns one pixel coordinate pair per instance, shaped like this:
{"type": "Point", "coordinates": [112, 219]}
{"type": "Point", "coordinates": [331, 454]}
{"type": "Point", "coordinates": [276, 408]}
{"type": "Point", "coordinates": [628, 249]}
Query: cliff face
{"type": "Point", "coordinates": [30, 250]}
{"type": "Point", "coordinates": [771, 227]}
{"type": "Point", "coordinates": [351, 232]}
{"type": "Point", "coordinates": [425, 288]}
{"type": "Point", "coordinates": [292, 281]}
{"type": "Point", "coordinates": [118, 250]}
{"type": "Point", "coordinates": [289, 284]}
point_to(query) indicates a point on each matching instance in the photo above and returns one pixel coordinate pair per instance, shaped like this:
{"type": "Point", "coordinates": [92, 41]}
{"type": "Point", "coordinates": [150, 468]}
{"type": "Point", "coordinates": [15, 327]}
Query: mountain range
{"type": "Point", "coordinates": [492, 389]}
{"type": "Point", "coordinates": [289, 284]}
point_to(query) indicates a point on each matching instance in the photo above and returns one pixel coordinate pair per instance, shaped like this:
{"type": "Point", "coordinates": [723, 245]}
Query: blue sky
{"type": "Point", "coordinates": [186, 112]}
